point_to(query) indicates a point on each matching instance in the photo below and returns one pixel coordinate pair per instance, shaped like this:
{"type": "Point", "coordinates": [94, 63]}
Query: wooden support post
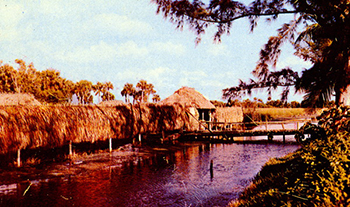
{"type": "Point", "coordinates": [211, 169]}
{"type": "Point", "coordinates": [163, 137]}
{"type": "Point", "coordinates": [284, 137]}
{"type": "Point", "coordinates": [70, 155]}
{"type": "Point", "coordinates": [270, 137]}
{"type": "Point", "coordinates": [297, 125]}
{"type": "Point", "coordinates": [19, 158]}
{"type": "Point", "coordinates": [110, 145]}
{"type": "Point", "coordinates": [140, 137]}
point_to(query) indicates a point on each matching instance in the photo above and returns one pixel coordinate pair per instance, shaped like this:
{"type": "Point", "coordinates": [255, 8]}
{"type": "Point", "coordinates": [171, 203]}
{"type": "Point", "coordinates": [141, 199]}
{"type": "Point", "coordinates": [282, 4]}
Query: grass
{"type": "Point", "coordinates": [273, 114]}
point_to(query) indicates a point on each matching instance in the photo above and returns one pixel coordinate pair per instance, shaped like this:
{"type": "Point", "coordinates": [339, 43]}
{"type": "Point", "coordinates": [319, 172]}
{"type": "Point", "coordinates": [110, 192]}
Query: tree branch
{"type": "Point", "coordinates": [241, 16]}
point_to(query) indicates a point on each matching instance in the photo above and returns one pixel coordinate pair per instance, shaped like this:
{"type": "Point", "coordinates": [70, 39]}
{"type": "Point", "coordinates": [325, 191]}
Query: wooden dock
{"type": "Point", "coordinates": [229, 132]}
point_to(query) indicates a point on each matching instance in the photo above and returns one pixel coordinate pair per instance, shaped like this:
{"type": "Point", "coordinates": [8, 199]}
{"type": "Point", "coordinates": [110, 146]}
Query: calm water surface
{"type": "Point", "coordinates": [173, 176]}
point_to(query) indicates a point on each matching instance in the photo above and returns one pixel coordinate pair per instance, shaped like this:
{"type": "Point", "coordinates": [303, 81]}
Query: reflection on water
{"type": "Point", "coordinates": [176, 176]}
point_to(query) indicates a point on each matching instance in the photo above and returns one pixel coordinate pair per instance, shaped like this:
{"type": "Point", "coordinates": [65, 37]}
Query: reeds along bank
{"type": "Point", "coordinates": [24, 127]}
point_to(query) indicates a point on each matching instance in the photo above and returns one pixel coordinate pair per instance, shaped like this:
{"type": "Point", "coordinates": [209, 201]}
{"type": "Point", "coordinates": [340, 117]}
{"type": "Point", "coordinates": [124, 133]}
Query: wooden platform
{"type": "Point", "coordinates": [228, 132]}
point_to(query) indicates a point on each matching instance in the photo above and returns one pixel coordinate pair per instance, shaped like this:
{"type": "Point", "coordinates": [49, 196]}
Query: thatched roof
{"type": "Point", "coordinates": [112, 103]}
{"type": "Point", "coordinates": [25, 127]}
{"type": "Point", "coordinates": [18, 99]}
{"type": "Point", "coordinates": [189, 97]}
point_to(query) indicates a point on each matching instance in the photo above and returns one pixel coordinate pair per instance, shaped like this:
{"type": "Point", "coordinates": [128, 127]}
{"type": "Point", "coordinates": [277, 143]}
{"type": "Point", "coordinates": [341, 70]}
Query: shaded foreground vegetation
{"type": "Point", "coordinates": [27, 127]}
{"type": "Point", "coordinates": [316, 175]}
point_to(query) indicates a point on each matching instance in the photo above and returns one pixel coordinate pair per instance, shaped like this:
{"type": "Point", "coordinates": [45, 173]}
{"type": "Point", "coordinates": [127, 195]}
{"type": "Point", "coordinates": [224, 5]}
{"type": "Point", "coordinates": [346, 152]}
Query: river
{"type": "Point", "coordinates": [175, 175]}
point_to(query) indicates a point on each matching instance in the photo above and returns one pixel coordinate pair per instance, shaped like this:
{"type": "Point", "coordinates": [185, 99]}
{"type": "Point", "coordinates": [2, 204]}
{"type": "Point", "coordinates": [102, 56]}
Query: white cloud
{"type": "Point", "coordinates": [10, 14]}
{"type": "Point", "coordinates": [131, 49]}
{"type": "Point", "coordinates": [293, 62]}
{"type": "Point", "coordinates": [112, 24]}
{"type": "Point", "coordinates": [103, 52]}
{"type": "Point", "coordinates": [168, 47]}
{"type": "Point", "coordinates": [217, 49]}
{"type": "Point", "coordinates": [94, 53]}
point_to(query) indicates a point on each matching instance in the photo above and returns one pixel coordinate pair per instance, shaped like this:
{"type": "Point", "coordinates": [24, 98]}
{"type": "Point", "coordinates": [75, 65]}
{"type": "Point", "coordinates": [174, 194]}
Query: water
{"type": "Point", "coordinates": [173, 176]}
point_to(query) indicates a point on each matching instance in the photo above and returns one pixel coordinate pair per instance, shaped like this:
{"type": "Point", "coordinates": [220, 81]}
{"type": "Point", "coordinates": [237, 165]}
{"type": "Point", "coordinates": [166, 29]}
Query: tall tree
{"type": "Point", "coordinates": [128, 91]}
{"type": "Point", "coordinates": [98, 89]}
{"type": "Point", "coordinates": [106, 94]}
{"type": "Point", "coordinates": [145, 89]}
{"type": "Point", "coordinates": [83, 91]}
{"type": "Point", "coordinates": [46, 86]}
{"type": "Point", "coordinates": [155, 98]}
{"type": "Point", "coordinates": [323, 40]}
{"type": "Point", "coordinates": [8, 82]}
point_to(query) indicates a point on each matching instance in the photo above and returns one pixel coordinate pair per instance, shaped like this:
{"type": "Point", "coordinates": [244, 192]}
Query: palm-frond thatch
{"type": "Point", "coordinates": [52, 126]}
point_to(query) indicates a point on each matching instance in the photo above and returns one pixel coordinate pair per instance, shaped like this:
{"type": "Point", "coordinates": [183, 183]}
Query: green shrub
{"type": "Point", "coordinates": [318, 174]}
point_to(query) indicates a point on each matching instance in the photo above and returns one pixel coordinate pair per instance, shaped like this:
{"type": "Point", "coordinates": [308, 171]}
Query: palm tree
{"type": "Point", "coordinates": [145, 89]}
{"type": "Point", "coordinates": [155, 98]}
{"type": "Point", "coordinates": [83, 90]}
{"type": "Point", "coordinates": [98, 88]}
{"type": "Point", "coordinates": [106, 96]}
{"type": "Point", "coordinates": [128, 91]}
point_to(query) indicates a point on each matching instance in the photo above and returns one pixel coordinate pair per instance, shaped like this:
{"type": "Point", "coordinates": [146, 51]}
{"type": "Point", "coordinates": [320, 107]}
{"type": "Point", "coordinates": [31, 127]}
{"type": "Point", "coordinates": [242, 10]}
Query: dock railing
{"type": "Point", "coordinates": [294, 124]}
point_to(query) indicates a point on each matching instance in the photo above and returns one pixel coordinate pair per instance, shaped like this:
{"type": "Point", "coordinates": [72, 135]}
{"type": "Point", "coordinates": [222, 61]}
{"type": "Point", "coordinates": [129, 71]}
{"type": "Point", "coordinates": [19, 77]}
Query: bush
{"type": "Point", "coordinates": [318, 174]}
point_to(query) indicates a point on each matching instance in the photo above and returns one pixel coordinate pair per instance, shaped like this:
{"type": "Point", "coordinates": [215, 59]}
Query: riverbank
{"type": "Point", "coordinates": [318, 174]}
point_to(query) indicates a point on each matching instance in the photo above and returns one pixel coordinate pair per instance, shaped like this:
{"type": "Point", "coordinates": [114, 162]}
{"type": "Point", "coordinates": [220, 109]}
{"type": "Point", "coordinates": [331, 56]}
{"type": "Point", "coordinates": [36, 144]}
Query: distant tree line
{"type": "Point", "coordinates": [259, 103]}
{"type": "Point", "coordinates": [49, 87]}
{"type": "Point", "coordinates": [140, 93]}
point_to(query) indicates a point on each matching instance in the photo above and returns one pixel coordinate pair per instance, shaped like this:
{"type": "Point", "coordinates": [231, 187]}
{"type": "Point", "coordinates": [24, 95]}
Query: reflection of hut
{"type": "Point", "coordinates": [191, 98]}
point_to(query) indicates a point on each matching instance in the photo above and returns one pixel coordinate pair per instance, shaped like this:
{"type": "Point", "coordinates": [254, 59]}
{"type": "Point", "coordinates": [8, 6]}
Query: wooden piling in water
{"type": "Point", "coordinates": [19, 158]}
{"type": "Point", "coordinates": [110, 145]}
{"type": "Point", "coordinates": [211, 169]}
{"type": "Point", "coordinates": [70, 153]}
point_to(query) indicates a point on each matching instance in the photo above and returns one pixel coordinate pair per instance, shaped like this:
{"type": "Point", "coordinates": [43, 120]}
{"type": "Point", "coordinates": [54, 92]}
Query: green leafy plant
{"type": "Point", "coordinates": [318, 174]}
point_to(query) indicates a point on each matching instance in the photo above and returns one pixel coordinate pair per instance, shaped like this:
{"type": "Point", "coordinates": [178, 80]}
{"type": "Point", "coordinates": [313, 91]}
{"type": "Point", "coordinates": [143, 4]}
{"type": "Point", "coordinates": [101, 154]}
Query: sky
{"type": "Point", "coordinates": [126, 41]}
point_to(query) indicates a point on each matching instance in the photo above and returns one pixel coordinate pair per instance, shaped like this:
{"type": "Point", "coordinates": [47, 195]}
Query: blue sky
{"type": "Point", "coordinates": [125, 41]}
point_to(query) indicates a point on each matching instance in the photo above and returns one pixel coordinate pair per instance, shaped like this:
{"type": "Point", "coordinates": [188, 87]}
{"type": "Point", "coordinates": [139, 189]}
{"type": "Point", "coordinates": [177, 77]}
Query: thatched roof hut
{"type": "Point", "coordinates": [200, 108]}
{"type": "Point", "coordinates": [112, 103]}
{"type": "Point", "coordinates": [10, 99]}
{"type": "Point", "coordinates": [26, 127]}
{"type": "Point", "coordinates": [189, 97]}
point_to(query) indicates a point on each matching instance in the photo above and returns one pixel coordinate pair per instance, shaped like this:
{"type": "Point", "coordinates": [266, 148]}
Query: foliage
{"type": "Point", "coordinates": [83, 91]}
{"type": "Point", "coordinates": [318, 174]}
{"type": "Point", "coordinates": [141, 93]}
{"type": "Point", "coordinates": [319, 33]}
{"type": "Point", "coordinates": [102, 91]}
{"type": "Point", "coordinates": [48, 86]}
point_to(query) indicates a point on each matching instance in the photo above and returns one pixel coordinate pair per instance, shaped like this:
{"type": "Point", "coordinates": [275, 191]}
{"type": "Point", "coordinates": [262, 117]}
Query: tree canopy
{"type": "Point", "coordinates": [319, 32]}
{"type": "Point", "coordinates": [141, 93]}
{"type": "Point", "coordinates": [48, 86]}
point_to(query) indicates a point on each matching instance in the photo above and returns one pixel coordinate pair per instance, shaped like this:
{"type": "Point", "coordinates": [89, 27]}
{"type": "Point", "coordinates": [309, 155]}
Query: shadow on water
{"type": "Point", "coordinates": [185, 174]}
